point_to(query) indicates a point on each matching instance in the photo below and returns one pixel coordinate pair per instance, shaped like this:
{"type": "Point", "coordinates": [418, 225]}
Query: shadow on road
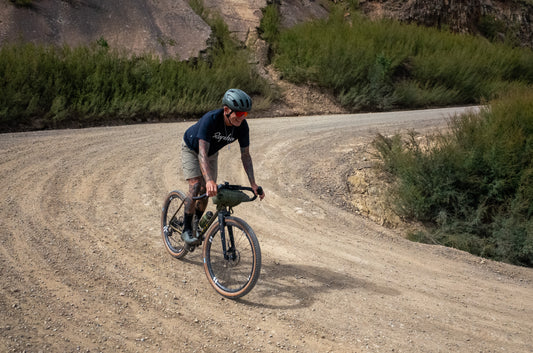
{"type": "Point", "coordinates": [286, 286]}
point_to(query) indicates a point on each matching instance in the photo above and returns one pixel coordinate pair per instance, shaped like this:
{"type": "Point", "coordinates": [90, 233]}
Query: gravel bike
{"type": "Point", "coordinates": [231, 252]}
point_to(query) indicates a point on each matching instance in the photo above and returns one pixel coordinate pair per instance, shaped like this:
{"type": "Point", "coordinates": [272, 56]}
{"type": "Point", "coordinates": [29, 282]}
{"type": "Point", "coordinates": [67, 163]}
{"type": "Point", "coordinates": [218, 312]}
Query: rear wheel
{"type": "Point", "coordinates": [172, 224]}
{"type": "Point", "coordinates": [236, 274]}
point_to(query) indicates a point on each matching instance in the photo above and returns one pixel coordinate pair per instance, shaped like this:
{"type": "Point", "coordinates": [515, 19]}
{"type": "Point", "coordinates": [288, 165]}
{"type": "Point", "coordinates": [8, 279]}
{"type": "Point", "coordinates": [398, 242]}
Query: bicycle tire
{"type": "Point", "coordinates": [172, 235]}
{"type": "Point", "coordinates": [232, 278]}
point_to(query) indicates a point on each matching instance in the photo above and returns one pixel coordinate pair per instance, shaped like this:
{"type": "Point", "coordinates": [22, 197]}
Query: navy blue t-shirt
{"type": "Point", "coordinates": [212, 129]}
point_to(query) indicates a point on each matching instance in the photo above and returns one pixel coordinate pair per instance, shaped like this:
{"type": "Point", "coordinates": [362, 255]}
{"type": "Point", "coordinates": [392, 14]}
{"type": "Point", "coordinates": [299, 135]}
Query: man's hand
{"type": "Point", "coordinates": [262, 195]}
{"type": "Point", "coordinates": [211, 188]}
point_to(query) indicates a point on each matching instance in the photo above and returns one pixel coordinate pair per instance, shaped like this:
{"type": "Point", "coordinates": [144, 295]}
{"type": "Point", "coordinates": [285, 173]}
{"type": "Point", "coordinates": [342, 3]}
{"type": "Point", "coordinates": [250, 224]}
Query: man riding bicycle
{"type": "Point", "coordinates": [199, 153]}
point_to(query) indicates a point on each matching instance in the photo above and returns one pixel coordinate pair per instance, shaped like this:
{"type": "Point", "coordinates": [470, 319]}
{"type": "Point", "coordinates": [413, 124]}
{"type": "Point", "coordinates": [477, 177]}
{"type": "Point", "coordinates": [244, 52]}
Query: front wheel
{"type": "Point", "coordinates": [172, 224]}
{"type": "Point", "coordinates": [235, 273]}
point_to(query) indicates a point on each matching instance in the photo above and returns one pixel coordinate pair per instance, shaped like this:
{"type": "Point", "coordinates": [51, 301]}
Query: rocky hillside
{"type": "Point", "coordinates": [172, 28]}
{"type": "Point", "coordinates": [167, 27]}
{"type": "Point", "coordinates": [506, 20]}
{"type": "Point", "coordinates": [164, 27]}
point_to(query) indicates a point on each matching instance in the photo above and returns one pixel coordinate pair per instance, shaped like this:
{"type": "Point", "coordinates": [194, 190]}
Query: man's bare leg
{"type": "Point", "coordinates": [196, 188]}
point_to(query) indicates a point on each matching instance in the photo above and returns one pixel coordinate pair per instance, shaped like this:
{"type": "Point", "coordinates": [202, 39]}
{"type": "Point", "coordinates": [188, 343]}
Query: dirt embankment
{"type": "Point", "coordinates": [84, 269]}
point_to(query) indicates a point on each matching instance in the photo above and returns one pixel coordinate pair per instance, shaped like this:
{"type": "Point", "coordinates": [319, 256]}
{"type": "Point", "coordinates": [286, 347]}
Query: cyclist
{"type": "Point", "coordinates": [199, 152]}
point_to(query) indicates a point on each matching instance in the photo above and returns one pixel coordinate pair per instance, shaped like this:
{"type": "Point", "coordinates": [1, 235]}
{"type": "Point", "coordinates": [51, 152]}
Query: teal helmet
{"type": "Point", "coordinates": [237, 100]}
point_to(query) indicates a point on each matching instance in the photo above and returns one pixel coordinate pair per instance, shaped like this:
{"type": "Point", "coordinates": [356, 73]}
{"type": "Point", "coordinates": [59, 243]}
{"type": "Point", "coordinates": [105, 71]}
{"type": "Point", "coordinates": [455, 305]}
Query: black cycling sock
{"type": "Point", "coordinates": [187, 221]}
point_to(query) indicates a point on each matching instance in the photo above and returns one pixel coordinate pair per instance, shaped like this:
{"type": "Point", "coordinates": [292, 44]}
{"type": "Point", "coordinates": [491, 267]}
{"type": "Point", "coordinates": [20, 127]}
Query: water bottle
{"type": "Point", "coordinates": [205, 219]}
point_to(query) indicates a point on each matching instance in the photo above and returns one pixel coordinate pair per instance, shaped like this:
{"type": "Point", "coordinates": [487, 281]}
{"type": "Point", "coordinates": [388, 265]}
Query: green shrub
{"type": "Point", "coordinates": [63, 86]}
{"type": "Point", "coordinates": [95, 85]}
{"type": "Point", "coordinates": [269, 27]}
{"type": "Point", "coordinates": [472, 185]}
{"type": "Point", "coordinates": [379, 65]}
{"type": "Point", "coordinates": [491, 27]}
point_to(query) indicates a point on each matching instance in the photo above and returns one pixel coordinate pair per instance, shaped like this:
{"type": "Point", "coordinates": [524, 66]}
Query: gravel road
{"type": "Point", "coordinates": [83, 266]}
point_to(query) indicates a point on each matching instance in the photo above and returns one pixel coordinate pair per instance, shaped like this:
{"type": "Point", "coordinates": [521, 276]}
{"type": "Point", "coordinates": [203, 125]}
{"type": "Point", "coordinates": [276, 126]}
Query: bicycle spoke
{"type": "Point", "coordinates": [172, 224]}
{"type": "Point", "coordinates": [235, 273]}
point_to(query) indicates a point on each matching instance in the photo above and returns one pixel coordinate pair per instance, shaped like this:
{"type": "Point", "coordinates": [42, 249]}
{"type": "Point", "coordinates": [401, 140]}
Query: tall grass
{"type": "Point", "coordinates": [380, 65]}
{"type": "Point", "coordinates": [473, 185]}
{"type": "Point", "coordinates": [48, 87]}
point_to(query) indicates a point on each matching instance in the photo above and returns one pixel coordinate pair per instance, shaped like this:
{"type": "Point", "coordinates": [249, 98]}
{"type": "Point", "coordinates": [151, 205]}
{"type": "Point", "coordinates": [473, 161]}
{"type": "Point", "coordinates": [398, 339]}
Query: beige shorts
{"type": "Point", "coordinates": [191, 165]}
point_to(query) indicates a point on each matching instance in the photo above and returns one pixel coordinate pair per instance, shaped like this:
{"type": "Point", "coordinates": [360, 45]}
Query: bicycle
{"type": "Point", "coordinates": [231, 254]}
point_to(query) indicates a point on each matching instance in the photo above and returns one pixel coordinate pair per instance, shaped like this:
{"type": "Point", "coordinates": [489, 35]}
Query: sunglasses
{"type": "Point", "coordinates": [241, 114]}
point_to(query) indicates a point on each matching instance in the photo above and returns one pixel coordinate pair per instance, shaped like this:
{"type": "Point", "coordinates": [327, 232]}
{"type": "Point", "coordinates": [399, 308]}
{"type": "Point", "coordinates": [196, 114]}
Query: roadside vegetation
{"type": "Point", "coordinates": [51, 87]}
{"type": "Point", "coordinates": [367, 65]}
{"type": "Point", "coordinates": [472, 186]}
{"type": "Point", "coordinates": [383, 65]}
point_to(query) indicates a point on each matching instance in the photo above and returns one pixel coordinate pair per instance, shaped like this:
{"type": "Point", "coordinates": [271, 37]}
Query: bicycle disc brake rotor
{"type": "Point", "coordinates": [234, 260]}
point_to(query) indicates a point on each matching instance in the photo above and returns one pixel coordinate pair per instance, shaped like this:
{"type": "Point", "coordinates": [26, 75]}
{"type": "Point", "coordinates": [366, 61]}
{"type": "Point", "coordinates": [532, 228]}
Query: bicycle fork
{"type": "Point", "coordinates": [229, 254]}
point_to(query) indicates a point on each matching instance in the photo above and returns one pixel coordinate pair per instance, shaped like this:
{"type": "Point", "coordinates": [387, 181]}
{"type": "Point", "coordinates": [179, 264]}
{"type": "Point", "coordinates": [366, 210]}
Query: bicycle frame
{"type": "Point", "coordinates": [174, 217]}
{"type": "Point", "coordinates": [220, 214]}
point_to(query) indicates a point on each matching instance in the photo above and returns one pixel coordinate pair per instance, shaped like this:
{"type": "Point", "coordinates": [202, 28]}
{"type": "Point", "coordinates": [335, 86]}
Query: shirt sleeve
{"type": "Point", "coordinates": [205, 127]}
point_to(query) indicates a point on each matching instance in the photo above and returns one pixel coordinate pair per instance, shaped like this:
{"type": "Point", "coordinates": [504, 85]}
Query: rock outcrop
{"type": "Point", "coordinates": [163, 27]}
{"type": "Point", "coordinates": [506, 20]}
{"type": "Point", "coordinates": [172, 28]}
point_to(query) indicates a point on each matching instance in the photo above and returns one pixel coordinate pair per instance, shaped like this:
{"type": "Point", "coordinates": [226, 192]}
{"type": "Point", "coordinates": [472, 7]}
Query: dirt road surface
{"type": "Point", "coordinates": [83, 267]}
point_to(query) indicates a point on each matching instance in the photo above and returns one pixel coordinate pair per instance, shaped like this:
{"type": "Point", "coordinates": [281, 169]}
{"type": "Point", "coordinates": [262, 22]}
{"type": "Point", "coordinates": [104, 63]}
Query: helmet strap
{"type": "Point", "coordinates": [228, 115]}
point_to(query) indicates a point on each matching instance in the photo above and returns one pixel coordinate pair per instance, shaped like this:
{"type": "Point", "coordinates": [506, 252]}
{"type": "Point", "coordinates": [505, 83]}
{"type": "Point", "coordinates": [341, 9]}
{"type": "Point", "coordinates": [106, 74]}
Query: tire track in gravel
{"type": "Point", "coordinates": [77, 246]}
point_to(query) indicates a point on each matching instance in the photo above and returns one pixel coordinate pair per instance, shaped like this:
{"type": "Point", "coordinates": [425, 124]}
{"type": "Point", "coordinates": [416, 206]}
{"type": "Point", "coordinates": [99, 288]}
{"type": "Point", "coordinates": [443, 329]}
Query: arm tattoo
{"type": "Point", "coordinates": [247, 164]}
{"type": "Point", "coordinates": [204, 162]}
